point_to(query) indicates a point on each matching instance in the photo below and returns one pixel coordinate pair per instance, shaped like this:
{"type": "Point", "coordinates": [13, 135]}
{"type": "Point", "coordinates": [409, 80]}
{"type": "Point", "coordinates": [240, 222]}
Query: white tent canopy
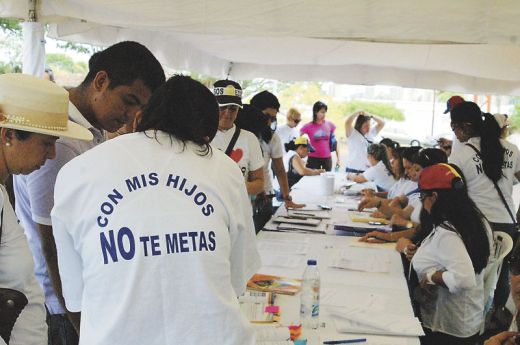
{"type": "Point", "coordinates": [469, 46]}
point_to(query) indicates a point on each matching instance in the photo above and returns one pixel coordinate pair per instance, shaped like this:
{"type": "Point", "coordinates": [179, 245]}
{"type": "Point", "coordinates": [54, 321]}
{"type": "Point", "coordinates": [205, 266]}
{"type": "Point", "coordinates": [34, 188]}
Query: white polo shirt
{"type": "Point", "coordinates": [155, 247]}
{"type": "Point", "coordinates": [35, 198]}
{"type": "Point", "coordinates": [380, 175]}
{"type": "Point", "coordinates": [357, 149]}
{"type": "Point", "coordinates": [402, 187]}
{"type": "Point", "coordinates": [480, 188]}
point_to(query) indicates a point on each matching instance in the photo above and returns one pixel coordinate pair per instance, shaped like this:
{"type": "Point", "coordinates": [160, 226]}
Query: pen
{"type": "Point", "coordinates": [346, 341]}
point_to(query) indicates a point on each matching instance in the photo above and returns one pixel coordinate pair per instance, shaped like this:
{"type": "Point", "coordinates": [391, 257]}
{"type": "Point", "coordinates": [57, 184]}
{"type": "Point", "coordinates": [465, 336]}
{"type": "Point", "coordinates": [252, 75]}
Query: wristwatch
{"type": "Point", "coordinates": [409, 225]}
{"type": "Point", "coordinates": [287, 198]}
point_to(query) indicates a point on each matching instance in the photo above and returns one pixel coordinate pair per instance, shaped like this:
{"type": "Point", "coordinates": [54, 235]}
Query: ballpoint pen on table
{"type": "Point", "coordinates": [346, 341]}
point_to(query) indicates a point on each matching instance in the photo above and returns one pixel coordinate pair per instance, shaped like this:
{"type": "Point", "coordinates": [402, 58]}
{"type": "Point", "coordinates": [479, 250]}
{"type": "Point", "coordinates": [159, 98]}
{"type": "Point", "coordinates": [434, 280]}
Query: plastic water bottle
{"type": "Point", "coordinates": [310, 296]}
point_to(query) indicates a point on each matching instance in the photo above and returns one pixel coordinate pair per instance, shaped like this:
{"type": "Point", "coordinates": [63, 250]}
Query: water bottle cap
{"type": "Point", "coordinates": [311, 262]}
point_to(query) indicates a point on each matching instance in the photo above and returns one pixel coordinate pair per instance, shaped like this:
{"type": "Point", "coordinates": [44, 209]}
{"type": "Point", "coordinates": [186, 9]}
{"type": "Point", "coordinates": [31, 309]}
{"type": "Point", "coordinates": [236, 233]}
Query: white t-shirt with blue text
{"type": "Point", "coordinates": [156, 246]}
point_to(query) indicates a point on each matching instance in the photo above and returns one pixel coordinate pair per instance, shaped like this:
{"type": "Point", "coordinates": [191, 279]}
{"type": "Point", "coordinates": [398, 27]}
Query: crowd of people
{"type": "Point", "coordinates": [117, 239]}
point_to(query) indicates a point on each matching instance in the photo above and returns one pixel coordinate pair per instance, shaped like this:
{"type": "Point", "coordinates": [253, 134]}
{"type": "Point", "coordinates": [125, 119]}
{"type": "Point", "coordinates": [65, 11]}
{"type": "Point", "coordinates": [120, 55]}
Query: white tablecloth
{"type": "Point", "coordinates": [384, 293]}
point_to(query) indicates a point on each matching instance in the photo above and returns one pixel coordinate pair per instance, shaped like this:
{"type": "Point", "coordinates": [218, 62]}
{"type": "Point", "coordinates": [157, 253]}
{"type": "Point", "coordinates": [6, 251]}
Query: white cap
{"type": "Point", "coordinates": [502, 120]}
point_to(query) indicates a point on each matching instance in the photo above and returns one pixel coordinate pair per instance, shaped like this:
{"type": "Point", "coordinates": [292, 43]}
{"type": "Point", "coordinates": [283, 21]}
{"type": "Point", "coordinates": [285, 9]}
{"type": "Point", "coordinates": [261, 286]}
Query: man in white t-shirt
{"type": "Point", "coordinates": [245, 151]}
{"type": "Point", "coordinates": [268, 104]}
{"type": "Point", "coordinates": [155, 248]}
{"type": "Point", "coordinates": [289, 131]}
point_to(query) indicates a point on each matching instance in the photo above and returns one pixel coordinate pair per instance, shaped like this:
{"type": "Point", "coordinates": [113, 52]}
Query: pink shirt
{"type": "Point", "coordinates": [319, 135]}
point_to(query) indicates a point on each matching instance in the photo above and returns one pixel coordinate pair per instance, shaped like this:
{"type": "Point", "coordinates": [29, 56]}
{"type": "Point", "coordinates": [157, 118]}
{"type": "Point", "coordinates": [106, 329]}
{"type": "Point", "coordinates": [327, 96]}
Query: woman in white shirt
{"type": "Point", "coordinates": [487, 162]}
{"type": "Point", "coordinates": [450, 260]}
{"type": "Point", "coordinates": [380, 172]}
{"type": "Point", "coordinates": [360, 134]}
{"type": "Point", "coordinates": [33, 114]}
{"type": "Point", "coordinates": [293, 161]}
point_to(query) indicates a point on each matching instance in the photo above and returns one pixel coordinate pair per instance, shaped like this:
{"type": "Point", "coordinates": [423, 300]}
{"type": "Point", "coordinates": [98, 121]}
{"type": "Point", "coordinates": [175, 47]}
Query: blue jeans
{"type": "Point", "coordinates": [61, 331]}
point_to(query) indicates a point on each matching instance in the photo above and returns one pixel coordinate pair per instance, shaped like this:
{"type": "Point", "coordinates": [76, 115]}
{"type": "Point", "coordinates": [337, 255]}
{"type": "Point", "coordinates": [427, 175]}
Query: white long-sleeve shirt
{"type": "Point", "coordinates": [17, 273]}
{"type": "Point", "coordinates": [459, 309]}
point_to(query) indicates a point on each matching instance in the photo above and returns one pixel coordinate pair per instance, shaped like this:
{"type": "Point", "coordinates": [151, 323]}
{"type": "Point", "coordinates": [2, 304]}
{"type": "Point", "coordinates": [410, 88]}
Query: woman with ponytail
{"type": "Point", "coordinates": [451, 259]}
{"type": "Point", "coordinates": [490, 165]}
{"type": "Point", "coordinates": [380, 172]}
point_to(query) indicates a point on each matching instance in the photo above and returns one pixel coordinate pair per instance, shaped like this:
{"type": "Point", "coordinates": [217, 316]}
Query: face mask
{"type": "Point", "coordinates": [273, 125]}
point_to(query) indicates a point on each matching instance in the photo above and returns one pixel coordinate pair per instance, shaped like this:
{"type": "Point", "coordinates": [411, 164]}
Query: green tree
{"type": "Point", "coordinates": [515, 117]}
{"type": "Point", "coordinates": [62, 62]}
{"type": "Point", "coordinates": [10, 46]}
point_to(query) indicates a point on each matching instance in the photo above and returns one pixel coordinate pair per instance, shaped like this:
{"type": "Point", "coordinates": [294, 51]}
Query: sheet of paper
{"type": "Point", "coordinates": [279, 260]}
{"type": "Point", "coordinates": [366, 260]}
{"type": "Point", "coordinates": [272, 334]}
{"type": "Point", "coordinates": [283, 247]}
{"type": "Point", "coordinates": [358, 320]}
{"type": "Point", "coordinates": [354, 298]}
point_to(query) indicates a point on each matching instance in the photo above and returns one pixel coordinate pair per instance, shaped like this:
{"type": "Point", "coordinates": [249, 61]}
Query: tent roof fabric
{"type": "Point", "coordinates": [469, 46]}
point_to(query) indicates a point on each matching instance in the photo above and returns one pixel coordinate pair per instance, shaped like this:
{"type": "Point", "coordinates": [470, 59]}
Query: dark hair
{"type": "Point", "coordinates": [126, 62]}
{"type": "Point", "coordinates": [316, 108]}
{"type": "Point", "coordinates": [429, 156]}
{"type": "Point", "coordinates": [50, 73]}
{"type": "Point", "coordinates": [486, 127]}
{"type": "Point", "coordinates": [455, 207]}
{"type": "Point", "coordinates": [379, 153]}
{"type": "Point", "coordinates": [264, 100]}
{"type": "Point", "coordinates": [251, 119]}
{"type": "Point", "coordinates": [398, 155]}
{"type": "Point", "coordinates": [185, 109]}
{"type": "Point", "coordinates": [410, 153]}
{"type": "Point", "coordinates": [22, 135]}
{"type": "Point", "coordinates": [292, 146]}
{"type": "Point", "coordinates": [389, 143]}
{"type": "Point", "coordinates": [360, 120]}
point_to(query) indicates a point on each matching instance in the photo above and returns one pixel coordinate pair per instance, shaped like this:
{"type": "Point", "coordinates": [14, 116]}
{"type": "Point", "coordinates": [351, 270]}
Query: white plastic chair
{"type": "Point", "coordinates": [503, 244]}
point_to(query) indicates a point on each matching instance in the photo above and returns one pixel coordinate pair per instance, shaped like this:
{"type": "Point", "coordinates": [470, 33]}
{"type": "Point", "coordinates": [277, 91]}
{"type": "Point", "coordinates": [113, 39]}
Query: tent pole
{"type": "Point", "coordinates": [33, 42]}
{"type": "Point", "coordinates": [230, 67]}
{"type": "Point", "coordinates": [433, 110]}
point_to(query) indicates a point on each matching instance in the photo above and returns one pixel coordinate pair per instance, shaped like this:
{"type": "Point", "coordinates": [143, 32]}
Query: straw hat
{"type": "Point", "coordinates": [35, 105]}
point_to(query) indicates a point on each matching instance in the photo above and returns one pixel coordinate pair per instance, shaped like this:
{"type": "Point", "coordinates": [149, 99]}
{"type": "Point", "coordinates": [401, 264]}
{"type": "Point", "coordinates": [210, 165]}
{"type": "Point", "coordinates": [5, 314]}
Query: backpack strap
{"type": "Point", "coordinates": [233, 141]}
{"type": "Point", "coordinates": [496, 187]}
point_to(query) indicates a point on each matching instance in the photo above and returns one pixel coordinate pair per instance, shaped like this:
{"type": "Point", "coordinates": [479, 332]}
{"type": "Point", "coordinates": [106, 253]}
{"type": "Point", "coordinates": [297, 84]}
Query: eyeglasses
{"type": "Point", "coordinates": [230, 108]}
{"type": "Point", "coordinates": [297, 121]}
{"type": "Point", "coordinates": [424, 195]}
{"type": "Point", "coordinates": [460, 125]}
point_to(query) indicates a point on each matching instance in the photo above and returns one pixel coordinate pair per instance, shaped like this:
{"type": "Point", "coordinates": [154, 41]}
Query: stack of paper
{"type": "Point", "coordinates": [358, 320]}
{"type": "Point", "coordinates": [297, 223]}
{"type": "Point", "coordinates": [318, 214]}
